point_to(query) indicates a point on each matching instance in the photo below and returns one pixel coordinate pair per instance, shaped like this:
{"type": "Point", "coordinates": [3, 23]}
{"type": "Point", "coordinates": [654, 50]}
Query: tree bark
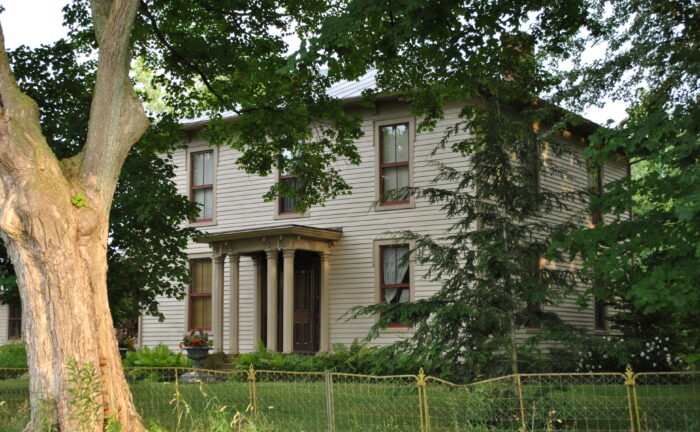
{"type": "Point", "coordinates": [54, 222]}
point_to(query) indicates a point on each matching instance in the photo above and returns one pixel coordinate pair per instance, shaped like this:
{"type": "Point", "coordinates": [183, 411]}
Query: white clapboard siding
{"type": "Point", "coordinates": [239, 205]}
{"type": "Point", "coordinates": [4, 323]}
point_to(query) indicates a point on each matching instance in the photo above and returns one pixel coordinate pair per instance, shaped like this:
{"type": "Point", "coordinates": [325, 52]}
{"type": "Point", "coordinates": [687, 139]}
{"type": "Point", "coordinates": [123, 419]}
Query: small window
{"type": "Point", "coordinates": [600, 314]}
{"type": "Point", "coordinates": [595, 187]}
{"type": "Point", "coordinates": [395, 280]}
{"type": "Point", "coordinates": [200, 295]}
{"type": "Point", "coordinates": [287, 204]}
{"type": "Point", "coordinates": [202, 184]}
{"type": "Point", "coordinates": [15, 322]}
{"type": "Point", "coordinates": [394, 163]}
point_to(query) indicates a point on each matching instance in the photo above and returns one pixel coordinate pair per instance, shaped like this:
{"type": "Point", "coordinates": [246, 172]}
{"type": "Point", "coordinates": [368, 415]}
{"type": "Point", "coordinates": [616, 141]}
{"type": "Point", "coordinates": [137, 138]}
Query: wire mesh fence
{"type": "Point", "coordinates": [178, 399]}
{"type": "Point", "coordinates": [667, 401]}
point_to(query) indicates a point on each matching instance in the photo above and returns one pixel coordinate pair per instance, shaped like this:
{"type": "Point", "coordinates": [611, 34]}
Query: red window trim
{"type": "Point", "coordinates": [280, 198]}
{"type": "Point", "coordinates": [193, 187]}
{"type": "Point", "coordinates": [383, 286]}
{"type": "Point", "coordinates": [189, 304]}
{"type": "Point", "coordinates": [382, 165]}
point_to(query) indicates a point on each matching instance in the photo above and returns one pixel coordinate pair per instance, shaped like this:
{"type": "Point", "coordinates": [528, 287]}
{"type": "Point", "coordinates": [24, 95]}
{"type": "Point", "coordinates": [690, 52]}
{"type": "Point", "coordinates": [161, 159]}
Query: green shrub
{"type": "Point", "coordinates": [158, 357]}
{"type": "Point", "coordinates": [357, 358]}
{"type": "Point", "coordinates": [13, 355]}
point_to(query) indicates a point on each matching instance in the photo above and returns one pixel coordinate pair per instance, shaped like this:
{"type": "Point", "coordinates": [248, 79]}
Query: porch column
{"type": "Point", "coordinates": [217, 302]}
{"type": "Point", "coordinates": [257, 302]}
{"type": "Point", "coordinates": [233, 261]}
{"type": "Point", "coordinates": [324, 343]}
{"type": "Point", "coordinates": [271, 299]}
{"type": "Point", "coordinates": [288, 302]}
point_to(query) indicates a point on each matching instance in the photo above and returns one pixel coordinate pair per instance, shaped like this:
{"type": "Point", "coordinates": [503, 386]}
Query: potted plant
{"type": "Point", "coordinates": [197, 346]}
{"type": "Point", "coordinates": [125, 345]}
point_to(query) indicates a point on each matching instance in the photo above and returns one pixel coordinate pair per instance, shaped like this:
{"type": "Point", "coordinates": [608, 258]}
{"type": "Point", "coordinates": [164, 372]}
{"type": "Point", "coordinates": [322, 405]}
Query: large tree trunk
{"type": "Point", "coordinates": [54, 221]}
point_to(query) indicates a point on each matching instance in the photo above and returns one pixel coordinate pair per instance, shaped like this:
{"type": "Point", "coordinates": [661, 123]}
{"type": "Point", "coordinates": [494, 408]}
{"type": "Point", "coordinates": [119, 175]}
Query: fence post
{"type": "Point", "coordinates": [252, 392]}
{"type": "Point", "coordinates": [633, 403]}
{"type": "Point", "coordinates": [423, 401]}
{"type": "Point", "coordinates": [521, 402]}
{"type": "Point", "coordinates": [330, 414]}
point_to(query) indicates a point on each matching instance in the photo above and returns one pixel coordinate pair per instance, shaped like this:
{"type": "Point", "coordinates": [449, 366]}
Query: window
{"type": "Point", "coordinates": [600, 314]}
{"type": "Point", "coordinates": [287, 203]}
{"type": "Point", "coordinates": [394, 166]}
{"type": "Point", "coordinates": [200, 295]}
{"type": "Point", "coordinates": [15, 322]}
{"type": "Point", "coordinates": [395, 279]}
{"type": "Point", "coordinates": [595, 186]}
{"type": "Point", "coordinates": [202, 184]}
{"type": "Point", "coordinates": [534, 308]}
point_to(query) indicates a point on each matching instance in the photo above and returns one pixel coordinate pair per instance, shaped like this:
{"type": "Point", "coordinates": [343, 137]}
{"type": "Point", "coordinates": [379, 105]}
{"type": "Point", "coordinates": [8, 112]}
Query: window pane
{"type": "Point", "coordinates": [388, 145]}
{"type": "Point", "coordinates": [401, 143]}
{"type": "Point", "coordinates": [201, 276]}
{"type": "Point", "coordinates": [208, 158]}
{"type": "Point", "coordinates": [205, 199]}
{"type": "Point", "coordinates": [199, 199]}
{"type": "Point", "coordinates": [405, 294]}
{"type": "Point", "coordinates": [395, 270]}
{"type": "Point", "coordinates": [402, 177]}
{"type": "Point", "coordinates": [287, 204]}
{"type": "Point", "coordinates": [391, 183]}
{"type": "Point", "coordinates": [202, 169]}
{"type": "Point", "coordinates": [197, 169]}
{"type": "Point", "coordinates": [15, 329]}
{"type": "Point", "coordinates": [208, 210]}
{"type": "Point", "coordinates": [201, 312]}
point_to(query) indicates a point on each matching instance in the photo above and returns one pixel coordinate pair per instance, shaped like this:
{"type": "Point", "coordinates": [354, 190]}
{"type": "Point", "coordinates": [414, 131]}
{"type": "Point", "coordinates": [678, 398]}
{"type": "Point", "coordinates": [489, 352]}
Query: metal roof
{"type": "Point", "coordinates": [341, 90]}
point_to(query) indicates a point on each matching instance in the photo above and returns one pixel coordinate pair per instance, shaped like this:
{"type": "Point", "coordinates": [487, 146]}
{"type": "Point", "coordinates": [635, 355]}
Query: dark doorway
{"type": "Point", "coordinates": [306, 331]}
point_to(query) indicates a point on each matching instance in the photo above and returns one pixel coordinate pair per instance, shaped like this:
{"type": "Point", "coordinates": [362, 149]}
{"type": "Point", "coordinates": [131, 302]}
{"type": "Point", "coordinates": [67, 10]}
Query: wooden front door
{"type": "Point", "coordinates": [306, 302]}
{"type": "Point", "coordinates": [306, 331]}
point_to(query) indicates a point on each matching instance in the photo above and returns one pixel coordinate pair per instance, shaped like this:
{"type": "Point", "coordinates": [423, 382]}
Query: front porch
{"type": "Point", "coordinates": [291, 286]}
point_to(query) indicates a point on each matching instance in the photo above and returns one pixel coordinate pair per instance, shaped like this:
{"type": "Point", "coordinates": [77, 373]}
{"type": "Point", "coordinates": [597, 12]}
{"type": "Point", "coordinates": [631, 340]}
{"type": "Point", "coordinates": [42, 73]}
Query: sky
{"type": "Point", "coordinates": [36, 22]}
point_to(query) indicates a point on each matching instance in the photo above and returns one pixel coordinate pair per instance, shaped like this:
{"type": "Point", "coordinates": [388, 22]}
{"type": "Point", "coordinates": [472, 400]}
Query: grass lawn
{"type": "Point", "coordinates": [300, 405]}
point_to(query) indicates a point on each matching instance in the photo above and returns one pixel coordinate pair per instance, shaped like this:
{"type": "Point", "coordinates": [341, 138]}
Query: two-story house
{"type": "Point", "coordinates": [263, 272]}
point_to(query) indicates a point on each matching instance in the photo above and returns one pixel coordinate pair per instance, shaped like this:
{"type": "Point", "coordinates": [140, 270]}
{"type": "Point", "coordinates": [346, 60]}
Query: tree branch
{"type": "Point", "coordinates": [196, 69]}
{"type": "Point", "coordinates": [117, 118]}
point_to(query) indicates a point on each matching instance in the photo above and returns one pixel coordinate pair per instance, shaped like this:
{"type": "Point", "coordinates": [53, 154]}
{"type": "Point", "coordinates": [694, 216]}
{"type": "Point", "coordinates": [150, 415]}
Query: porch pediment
{"type": "Point", "coordinates": [251, 240]}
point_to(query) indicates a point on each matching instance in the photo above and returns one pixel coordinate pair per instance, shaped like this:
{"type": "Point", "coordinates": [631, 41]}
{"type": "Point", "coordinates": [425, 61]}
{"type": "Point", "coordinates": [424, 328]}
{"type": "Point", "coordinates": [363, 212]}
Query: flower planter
{"type": "Point", "coordinates": [197, 354]}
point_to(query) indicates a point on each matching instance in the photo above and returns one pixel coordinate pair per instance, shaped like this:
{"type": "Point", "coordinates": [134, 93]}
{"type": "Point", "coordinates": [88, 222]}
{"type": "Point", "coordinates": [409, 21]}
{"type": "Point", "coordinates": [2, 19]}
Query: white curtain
{"type": "Point", "coordinates": [394, 271]}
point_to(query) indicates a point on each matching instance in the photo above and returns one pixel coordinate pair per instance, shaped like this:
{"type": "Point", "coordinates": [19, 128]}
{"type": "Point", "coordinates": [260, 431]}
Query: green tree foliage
{"type": "Point", "coordinates": [647, 265]}
{"type": "Point", "coordinates": [146, 252]}
{"type": "Point", "coordinates": [236, 62]}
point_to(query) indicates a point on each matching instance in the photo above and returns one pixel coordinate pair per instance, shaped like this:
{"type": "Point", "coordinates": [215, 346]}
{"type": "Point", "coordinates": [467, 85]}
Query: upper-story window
{"type": "Point", "coordinates": [394, 165]}
{"type": "Point", "coordinates": [287, 203]}
{"type": "Point", "coordinates": [14, 322]}
{"type": "Point", "coordinates": [595, 186]}
{"type": "Point", "coordinates": [202, 184]}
